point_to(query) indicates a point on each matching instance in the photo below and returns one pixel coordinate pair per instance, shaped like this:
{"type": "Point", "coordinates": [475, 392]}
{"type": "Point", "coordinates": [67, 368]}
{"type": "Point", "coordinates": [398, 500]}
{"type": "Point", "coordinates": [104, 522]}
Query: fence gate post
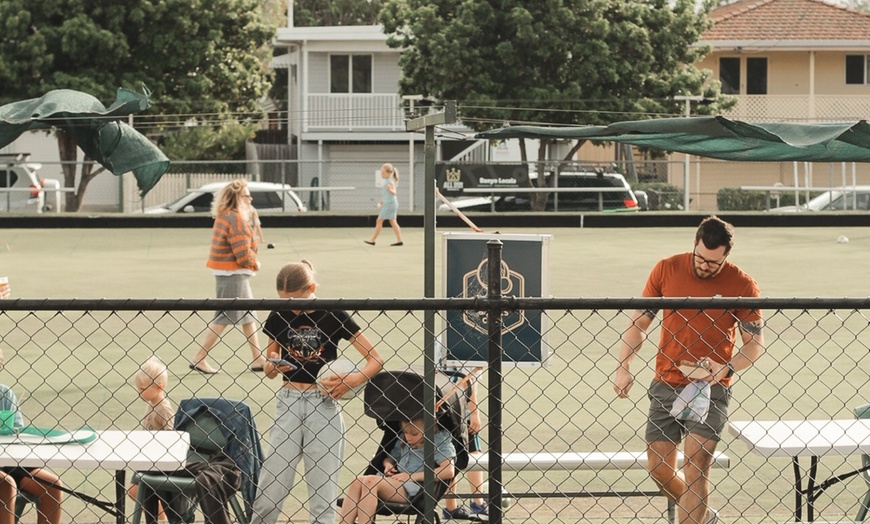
{"type": "Point", "coordinates": [494, 325]}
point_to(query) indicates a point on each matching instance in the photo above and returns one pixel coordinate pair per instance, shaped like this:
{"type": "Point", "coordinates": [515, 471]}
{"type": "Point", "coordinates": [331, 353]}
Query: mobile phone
{"type": "Point", "coordinates": [694, 371]}
{"type": "Point", "coordinates": [281, 362]}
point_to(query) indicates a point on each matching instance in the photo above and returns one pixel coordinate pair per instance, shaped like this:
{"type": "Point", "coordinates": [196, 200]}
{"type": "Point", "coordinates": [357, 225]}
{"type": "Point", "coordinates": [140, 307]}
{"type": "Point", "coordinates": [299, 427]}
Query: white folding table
{"type": "Point", "coordinates": [799, 438]}
{"type": "Point", "coordinates": [116, 450]}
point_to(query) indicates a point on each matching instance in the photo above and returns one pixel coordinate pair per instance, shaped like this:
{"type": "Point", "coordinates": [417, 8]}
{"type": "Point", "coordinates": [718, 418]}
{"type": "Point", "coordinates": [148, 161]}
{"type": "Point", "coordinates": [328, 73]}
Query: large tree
{"type": "Point", "coordinates": [566, 62]}
{"type": "Point", "coordinates": [199, 58]}
{"type": "Point", "coordinates": [335, 12]}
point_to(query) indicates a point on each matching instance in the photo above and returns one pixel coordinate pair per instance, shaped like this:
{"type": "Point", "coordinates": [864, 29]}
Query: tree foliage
{"type": "Point", "coordinates": [565, 62]}
{"type": "Point", "coordinates": [224, 142]}
{"type": "Point", "coordinates": [552, 61]}
{"type": "Point", "coordinates": [307, 13]}
{"type": "Point", "coordinates": [198, 58]}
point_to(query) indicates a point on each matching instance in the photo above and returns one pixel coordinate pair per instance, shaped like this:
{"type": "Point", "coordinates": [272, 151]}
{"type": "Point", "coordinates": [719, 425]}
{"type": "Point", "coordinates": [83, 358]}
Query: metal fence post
{"type": "Point", "coordinates": [494, 325]}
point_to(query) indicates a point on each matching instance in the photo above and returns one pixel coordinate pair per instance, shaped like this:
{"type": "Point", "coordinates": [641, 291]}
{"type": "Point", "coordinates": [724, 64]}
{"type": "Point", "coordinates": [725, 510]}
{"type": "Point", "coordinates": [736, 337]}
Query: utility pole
{"type": "Point", "coordinates": [411, 99]}
{"type": "Point", "coordinates": [429, 122]}
{"type": "Point", "coordinates": [689, 99]}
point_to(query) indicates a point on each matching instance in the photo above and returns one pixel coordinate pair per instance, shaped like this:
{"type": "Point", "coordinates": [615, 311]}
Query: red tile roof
{"type": "Point", "coordinates": [765, 20]}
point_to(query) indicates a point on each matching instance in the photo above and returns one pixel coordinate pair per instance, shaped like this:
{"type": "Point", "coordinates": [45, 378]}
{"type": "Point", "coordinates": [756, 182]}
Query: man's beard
{"type": "Point", "coordinates": [706, 275]}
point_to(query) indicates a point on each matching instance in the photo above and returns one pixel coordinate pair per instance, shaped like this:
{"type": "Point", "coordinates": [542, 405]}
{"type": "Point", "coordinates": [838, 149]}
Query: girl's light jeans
{"type": "Point", "coordinates": [308, 425]}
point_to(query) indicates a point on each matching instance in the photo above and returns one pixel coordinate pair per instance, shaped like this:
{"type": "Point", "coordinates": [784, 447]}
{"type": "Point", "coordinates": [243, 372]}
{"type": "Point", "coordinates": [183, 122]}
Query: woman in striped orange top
{"type": "Point", "coordinates": [233, 260]}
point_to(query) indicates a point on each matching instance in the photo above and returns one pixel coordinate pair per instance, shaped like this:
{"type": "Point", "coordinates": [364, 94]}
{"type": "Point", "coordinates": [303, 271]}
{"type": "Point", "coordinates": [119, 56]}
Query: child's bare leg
{"type": "Point", "coordinates": [475, 481]}
{"type": "Point", "coordinates": [48, 507]}
{"type": "Point", "coordinates": [8, 492]}
{"type": "Point", "coordinates": [375, 489]}
{"type": "Point", "coordinates": [133, 492]}
{"type": "Point", "coordinates": [350, 505]}
{"type": "Point", "coordinates": [451, 503]}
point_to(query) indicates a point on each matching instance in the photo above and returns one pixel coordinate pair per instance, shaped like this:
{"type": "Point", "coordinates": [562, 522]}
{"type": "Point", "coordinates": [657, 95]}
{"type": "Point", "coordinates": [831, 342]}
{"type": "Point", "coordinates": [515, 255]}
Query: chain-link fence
{"type": "Point", "coordinates": [71, 363]}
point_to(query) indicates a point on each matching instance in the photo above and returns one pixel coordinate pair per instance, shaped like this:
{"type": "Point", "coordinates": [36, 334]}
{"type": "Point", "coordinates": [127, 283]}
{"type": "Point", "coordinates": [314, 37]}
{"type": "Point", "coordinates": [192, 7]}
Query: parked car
{"type": "Point", "coordinates": [626, 200]}
{"type": "Point", "coordinates": [27, 188]}
{"type": "Point", "coordinates": [849, 200]}
{"type": "Point", "coordinates": [267, 197]}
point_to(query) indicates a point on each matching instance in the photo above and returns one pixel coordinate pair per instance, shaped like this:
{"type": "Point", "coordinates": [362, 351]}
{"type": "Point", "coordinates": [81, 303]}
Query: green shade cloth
{"type": "Point", "coordinates": [719, 137]}
{"type": "Point", "coordinates": [95, 129]}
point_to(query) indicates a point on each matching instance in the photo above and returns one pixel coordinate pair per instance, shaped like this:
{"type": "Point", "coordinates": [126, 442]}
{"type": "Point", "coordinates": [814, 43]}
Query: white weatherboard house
{"type": "Point", "coordinates": [346, 117]}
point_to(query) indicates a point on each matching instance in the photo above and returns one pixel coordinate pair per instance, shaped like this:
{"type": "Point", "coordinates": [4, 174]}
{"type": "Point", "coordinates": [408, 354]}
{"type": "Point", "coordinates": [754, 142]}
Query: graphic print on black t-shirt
{"type": "Point", "coordinates": [309, 339]}
{"type": "Point", "coordinates": [306, 343]}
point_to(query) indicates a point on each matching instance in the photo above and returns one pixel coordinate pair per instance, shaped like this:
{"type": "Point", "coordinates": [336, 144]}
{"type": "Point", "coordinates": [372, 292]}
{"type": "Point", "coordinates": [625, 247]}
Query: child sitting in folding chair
{"type": "Point", "coordinates": [151, 381]}
{"type": "Point", "coordinates": [402, 477]}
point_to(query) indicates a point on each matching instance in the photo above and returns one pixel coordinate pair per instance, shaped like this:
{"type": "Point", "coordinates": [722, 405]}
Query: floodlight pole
{"type": "Point", "coordinates": [689, 99]}
{"type": "Point", "coordinates": [411, 99]}
{"type": "Point", "coordinates": [429, 122]}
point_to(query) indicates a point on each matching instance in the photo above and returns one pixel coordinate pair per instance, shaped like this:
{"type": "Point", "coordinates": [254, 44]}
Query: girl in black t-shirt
{"type": "Point", "coordinates": [308, 422]}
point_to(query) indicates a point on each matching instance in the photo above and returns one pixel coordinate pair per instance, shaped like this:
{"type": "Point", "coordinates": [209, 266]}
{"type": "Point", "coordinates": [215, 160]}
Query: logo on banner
{"type": "Point", "coordinates": [474, 285]}
{"type": "Point", "coordinates": [453, 180]}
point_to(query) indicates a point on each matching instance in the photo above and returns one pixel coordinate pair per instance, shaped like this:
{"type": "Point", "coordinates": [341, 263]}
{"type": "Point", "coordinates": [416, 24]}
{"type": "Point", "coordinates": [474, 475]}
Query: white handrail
{"type": "Point", "coordinates": [800, 188]}
{"type": "Point", "coordinates": [291, 188]}
{"type": "Point", "coordinates": [546, 190]}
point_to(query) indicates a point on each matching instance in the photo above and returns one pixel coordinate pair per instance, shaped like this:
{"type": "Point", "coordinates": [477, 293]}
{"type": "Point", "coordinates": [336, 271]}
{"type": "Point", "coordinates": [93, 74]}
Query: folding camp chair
{"type": "Point", "coordinates": [24, 498]}
{"type": "Point", "coordinates": [206, 439]}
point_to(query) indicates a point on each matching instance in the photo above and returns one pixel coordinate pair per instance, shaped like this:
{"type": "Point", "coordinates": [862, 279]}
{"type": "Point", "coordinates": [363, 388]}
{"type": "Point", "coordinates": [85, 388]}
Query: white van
{"type": "Point", "coordinates": [267, 198]}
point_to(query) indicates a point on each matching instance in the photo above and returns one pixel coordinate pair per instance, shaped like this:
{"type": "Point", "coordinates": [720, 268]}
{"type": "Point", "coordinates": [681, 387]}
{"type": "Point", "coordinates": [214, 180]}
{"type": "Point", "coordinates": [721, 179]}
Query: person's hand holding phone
{"type": "Point", "coordinates": [284, 366]}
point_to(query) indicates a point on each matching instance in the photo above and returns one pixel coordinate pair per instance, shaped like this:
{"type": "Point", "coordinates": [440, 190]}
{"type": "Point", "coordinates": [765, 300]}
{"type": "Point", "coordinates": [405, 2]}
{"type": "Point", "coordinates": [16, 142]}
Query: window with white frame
{"type": "Point", "coordinates": [857, 69]}
{"type": "Point", "coordinates": [350, 73]}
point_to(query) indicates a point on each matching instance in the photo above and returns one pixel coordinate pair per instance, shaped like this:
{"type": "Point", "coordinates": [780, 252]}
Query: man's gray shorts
{"type": "Point", "coordinates": [662, 426]}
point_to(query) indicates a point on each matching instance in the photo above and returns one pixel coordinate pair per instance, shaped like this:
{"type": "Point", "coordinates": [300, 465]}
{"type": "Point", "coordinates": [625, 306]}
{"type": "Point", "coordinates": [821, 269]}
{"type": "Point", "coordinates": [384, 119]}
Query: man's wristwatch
{"type": "Point", "coordinates": [731, 370]}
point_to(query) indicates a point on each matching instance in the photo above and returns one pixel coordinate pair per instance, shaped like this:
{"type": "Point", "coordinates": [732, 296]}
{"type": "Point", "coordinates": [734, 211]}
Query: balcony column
{"type": "Point", "coordinates": [811, 103]}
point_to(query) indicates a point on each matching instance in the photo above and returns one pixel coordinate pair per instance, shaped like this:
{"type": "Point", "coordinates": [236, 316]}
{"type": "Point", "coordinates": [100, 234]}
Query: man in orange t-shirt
{"type": "Point", "coordinates": [701, 337]}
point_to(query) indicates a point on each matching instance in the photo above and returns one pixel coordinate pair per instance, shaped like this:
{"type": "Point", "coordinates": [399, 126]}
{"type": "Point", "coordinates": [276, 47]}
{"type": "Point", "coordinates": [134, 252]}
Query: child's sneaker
{"type": "Point", "coordinates": [459, 513]}
{"type": "Point", "coordinates": [479, 509]}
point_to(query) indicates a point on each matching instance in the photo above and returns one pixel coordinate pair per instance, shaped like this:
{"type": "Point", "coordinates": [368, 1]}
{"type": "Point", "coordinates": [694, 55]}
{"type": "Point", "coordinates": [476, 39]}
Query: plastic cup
{"type": "Point", "coordinates": [7, 422]}
{"type": "Point", "coordinates": [4, 287]}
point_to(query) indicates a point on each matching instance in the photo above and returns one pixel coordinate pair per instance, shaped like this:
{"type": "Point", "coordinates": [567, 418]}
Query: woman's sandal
{"type": "Point", "coordinates": [203, 371]}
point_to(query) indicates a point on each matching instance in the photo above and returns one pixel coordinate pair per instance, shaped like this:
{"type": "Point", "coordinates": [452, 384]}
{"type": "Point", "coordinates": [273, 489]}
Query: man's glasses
{"type": "Point", "coordinates": [712, 264]}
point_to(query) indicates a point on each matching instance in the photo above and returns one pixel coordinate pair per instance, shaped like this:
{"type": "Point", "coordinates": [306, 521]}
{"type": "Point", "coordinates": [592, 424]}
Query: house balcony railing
{"type": "Point", "coordinates": [800, 108]}
{"type": "Point", "coordinates": [384, 112]}
{"type": "Point", "coordinates": [354, 112]}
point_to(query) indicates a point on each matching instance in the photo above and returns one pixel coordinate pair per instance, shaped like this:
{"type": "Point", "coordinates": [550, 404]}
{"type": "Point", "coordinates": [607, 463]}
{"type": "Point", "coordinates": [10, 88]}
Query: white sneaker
{"type": "Point", "coordinates": [712, 516]}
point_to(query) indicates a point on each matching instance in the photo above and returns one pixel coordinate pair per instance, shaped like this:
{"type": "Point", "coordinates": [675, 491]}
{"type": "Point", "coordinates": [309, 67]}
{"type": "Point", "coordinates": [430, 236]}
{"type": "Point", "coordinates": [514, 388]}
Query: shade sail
{"type": "Point", "coordinates": [721, 138]}
{"type": "Point", "coordinates": [97, 130]}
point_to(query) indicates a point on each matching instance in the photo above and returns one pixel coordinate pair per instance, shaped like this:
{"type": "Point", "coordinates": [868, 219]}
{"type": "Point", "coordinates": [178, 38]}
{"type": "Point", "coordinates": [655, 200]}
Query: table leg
{"type": "Point", "coordinates": [811, 488]}
{"type": "Point", "coordinates": [120, 496]}
{"type": "Point", "coordinates": [798, 491]}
